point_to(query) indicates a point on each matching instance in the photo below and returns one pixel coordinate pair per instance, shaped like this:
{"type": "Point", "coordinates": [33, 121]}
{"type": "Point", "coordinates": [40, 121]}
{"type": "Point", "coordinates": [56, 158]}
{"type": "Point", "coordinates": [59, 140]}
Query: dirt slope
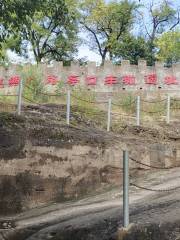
{"type": "Point", "coordinates": [100, 216]}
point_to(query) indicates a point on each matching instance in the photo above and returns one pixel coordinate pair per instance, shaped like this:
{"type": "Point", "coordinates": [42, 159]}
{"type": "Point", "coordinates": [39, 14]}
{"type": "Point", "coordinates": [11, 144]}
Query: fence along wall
{"type": "Point", "coordinates": [107, 78]}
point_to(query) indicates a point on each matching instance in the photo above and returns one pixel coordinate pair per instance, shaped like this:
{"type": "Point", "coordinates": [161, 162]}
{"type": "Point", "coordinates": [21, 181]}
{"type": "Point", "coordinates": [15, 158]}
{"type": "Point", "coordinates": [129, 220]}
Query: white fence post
{"type": "Point", "coordinates": [68, 107]}
{"type": "Point", "coordinates": [19, 105]}
{"type": "Point", "coordinates": [109, 115]}
{"type": "Point", "coordinates": [125, 189]}
{"type": "Point", "coordinates": [138, 111]}
{"type": "Point", "coordinates": [168, 109]}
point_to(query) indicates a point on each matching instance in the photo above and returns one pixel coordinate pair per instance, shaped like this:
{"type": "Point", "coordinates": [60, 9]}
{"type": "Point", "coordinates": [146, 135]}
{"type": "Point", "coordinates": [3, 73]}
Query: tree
{"type": "Point", "coordinates": [169, 47]}
{"type": "Point", "coordinates": [106, 23]}
{"type": "Point", "coordinates": [48, 27]}
{"type": "Point", "coordinates": [5, 6]}
{"type": "Point", "coordinates": [131, 48]}
{"type": "Point", "coordinates": [162, 17]}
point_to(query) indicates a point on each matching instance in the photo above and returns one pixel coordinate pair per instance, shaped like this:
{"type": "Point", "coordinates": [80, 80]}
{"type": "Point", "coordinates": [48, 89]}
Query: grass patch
{"type": "Point", "coordinates": [9, 119]}
{"type": "Point", "coordinates": [84, 104]}
{"type": "Point", "coordinates": [124, 103]}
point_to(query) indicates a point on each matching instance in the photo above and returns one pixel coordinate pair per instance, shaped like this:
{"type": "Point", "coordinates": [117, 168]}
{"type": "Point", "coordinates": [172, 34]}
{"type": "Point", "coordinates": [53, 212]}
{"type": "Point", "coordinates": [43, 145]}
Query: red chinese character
{"type": "Point", "coordinates": [170, 80]}
{"type": "Point", "coordinates": [73, 80]}
{"type": "Point", "coordinates": [52, 80]}
{"type": "Point", "coordinates": [14, 81]}
{"type": "Point", "coordinates": [91, 80]}
{"type": "Point", "coordinates": [151, 79]}
{"type": "Point", "coordinates": [110, 80]}
{"type": "Point", "coordinates": [1, 83]}
{"type": "Point", "coordinates": [129, 80]}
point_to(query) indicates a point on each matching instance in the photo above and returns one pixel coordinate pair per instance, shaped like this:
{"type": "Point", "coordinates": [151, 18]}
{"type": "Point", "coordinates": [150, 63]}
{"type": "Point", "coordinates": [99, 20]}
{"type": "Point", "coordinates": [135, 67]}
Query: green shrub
{"type": "Point", "coordinates": [33, 85]}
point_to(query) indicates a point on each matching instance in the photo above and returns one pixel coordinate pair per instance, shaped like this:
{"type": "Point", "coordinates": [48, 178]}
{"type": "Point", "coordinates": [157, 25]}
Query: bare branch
{"type": "Point", "coordinates": [95, 36]}
{"type": "Point", "coordinates": [177, 22]}
{"type": "Point", "coordinates": [143, 22]}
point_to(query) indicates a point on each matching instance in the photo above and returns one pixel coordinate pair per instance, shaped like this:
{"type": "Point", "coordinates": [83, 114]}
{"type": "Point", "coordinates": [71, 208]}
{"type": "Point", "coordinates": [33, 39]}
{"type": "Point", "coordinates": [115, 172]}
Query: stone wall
{"type": "Point", "coordinates": [128, 77]}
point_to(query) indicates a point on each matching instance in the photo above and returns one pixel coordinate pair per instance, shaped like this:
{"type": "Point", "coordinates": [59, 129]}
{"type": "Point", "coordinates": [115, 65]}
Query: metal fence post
{"type": "Point", "coordinates": [68, 107]}
{"type": "Point", "coordinates": [125, 189]}
{"type": "Point", "coordinates": [109, 115]}
{"type": "Point", "coordinates": [168, 109]}
{"type": "Point", "coordinates": [138, 111]}
{"type": "Point", "coordinates": [19, 105]}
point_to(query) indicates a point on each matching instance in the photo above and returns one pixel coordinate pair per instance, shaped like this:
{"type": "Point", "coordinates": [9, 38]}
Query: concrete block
{"type": "Point", "coordinates": [123, 233]}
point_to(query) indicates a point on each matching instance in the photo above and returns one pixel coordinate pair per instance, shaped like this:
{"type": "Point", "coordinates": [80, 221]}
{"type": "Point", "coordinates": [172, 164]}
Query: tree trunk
{"type": "Point", "coordinates": [37, 56]}
{"type": "Point", "coordinates": [111, 56]}
{"type": "Point", "coordinates": [103, 57]}
{"type": "Point", "coordinates": [102, 61]}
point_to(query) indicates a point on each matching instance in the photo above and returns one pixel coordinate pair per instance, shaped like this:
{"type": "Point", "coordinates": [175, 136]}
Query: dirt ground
{"type": "Point", "coordinates": [96, 217]}
{"type": "Point", "coordinates": [49, 121]}
{"type": "Point", "coordinates": [99, 217]}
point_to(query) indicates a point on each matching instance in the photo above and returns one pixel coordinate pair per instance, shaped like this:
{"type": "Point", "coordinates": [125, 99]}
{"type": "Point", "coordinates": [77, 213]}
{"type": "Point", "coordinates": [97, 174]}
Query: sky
{"type": "Point", "coordinates": [91, 56]}
{"type": "Point", "coordinates": [83, 49]}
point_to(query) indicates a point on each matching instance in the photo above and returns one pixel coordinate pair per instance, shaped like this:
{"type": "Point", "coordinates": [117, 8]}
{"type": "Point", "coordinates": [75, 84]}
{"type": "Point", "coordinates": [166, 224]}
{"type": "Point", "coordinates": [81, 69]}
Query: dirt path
{"type": "Point", "coordinates": [98, 217]}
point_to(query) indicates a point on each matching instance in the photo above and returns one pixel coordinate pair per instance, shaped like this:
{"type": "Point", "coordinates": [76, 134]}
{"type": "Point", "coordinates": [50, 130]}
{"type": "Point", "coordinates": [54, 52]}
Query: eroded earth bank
{"type": "Point", "coordinates": [65, 182]}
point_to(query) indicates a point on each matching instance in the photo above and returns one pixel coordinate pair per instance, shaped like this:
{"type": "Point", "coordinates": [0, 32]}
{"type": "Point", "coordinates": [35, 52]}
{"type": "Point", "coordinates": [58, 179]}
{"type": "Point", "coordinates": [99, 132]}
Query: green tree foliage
{"type": "Point", "coordinates": [169, 47]}
{"type": "Point", "coordinates": [49, 27]}
{"type": "Point", "coordinates": [162, 17]}
{"type": "Point", "coordinates": [132, 49]}
{"type": "Point", "coordinates": [106, 23]}
{"type": "Point", "coordinates": [6, 16]}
